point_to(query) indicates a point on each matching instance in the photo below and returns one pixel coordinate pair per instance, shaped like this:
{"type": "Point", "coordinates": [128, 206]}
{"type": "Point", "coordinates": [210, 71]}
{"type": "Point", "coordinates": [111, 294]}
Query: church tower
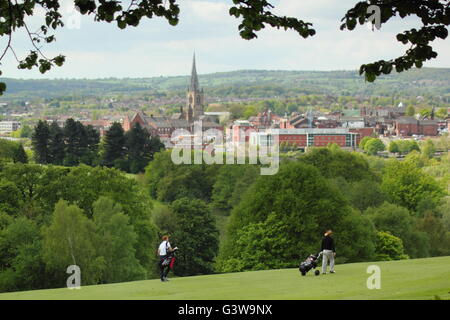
{"type": "Point", "coordinates": [195, 97]}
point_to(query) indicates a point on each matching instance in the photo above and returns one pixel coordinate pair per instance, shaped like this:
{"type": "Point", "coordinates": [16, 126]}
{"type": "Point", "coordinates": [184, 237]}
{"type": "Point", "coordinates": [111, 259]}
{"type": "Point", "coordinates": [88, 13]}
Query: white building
{"type": "Point", "coordinates": [352, 122]}
{"type": "Point", "coordinates": [9, 126]}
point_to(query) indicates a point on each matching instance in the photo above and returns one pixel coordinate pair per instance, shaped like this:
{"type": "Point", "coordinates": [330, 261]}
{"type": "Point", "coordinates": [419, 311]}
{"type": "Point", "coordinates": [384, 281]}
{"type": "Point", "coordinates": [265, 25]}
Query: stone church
{"type": "Point", "coordinates": [193, 111]}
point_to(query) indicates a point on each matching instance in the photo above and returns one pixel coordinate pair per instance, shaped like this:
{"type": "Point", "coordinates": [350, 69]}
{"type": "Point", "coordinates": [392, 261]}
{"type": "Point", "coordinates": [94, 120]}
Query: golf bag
{"type": "Point", "coordinates": [310, 263]}
{"type": "Point", "coordinates": [169, 260]}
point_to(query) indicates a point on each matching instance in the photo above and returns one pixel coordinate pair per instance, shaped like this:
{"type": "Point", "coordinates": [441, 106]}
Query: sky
{"type": "Point", "coordinates": [154, 48]}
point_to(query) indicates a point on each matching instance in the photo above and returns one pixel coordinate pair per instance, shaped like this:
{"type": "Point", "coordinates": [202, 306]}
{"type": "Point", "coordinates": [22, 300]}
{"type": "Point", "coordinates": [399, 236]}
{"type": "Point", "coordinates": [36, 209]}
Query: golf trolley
{"type": "Point", "coordinates": [310, 263]}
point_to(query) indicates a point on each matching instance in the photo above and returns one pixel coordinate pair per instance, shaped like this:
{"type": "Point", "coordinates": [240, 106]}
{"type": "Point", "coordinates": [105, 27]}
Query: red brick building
{"type": "Point", "coordinates": [362, 132]}
{"type": "Point", "coordinates": [408, 126]}
{"type": "Point", "coordinates": [164, 127]}
{"type": "Point", "coordinates": [241, 130]}
{"type": "Point", "coordinates": [308, 137]}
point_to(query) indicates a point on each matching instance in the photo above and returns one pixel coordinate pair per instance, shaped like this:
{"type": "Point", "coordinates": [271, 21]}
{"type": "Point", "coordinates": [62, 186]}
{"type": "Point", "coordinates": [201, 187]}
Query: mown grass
{"type": "Point", "coordinates": [406, 279]}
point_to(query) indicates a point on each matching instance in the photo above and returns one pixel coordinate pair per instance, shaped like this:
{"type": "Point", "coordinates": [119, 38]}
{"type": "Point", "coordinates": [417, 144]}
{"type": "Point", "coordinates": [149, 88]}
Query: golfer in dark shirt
{"type": "Point", "coordinates": [328, 252]}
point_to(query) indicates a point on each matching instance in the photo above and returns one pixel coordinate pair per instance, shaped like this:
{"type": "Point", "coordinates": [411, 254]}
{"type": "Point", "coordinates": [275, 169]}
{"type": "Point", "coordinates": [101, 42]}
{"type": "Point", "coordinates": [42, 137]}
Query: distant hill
{"type": "Point", "coordinates": [426, 81]}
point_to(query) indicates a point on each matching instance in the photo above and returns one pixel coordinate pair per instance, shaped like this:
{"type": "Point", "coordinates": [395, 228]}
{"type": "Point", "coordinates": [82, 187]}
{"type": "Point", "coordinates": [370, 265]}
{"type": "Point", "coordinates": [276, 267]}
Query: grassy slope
{"type": "Point", "coordinates": [407, 279]}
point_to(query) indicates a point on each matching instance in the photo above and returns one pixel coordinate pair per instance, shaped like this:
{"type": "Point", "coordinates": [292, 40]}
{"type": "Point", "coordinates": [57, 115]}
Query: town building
{"type": "Point", "coordinates": [352, 122]}
{"type": "Point", "coordinates": [189, 116]}
{"type": "Point", "coordinates": [307, 137]}
{"type": "Point", "coordinates": [240, 131]}
{"type": "Point", "coordinates": [265, 119]}
{"type": "Point", "coordinates": [9, 126]}
{"type": "Point", "coordinates": [408, 126]}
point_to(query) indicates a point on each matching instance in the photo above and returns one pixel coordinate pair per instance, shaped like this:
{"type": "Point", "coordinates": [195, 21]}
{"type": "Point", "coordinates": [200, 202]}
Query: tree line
{"type": "Point", "coordinates": [76, 144]}
{"type": "Point", "coordinates": [12, 151]}
{"type": "Point", "coordinates": [224, 218]}
{"type": "Point", "coordinates": [52, 217]}
{"type": "Point", "coordinates": [381, 209]}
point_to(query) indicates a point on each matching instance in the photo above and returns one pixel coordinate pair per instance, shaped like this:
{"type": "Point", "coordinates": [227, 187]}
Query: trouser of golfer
{"type": "Point", "coordinates": [164, 270]}
{"type": "Point", "coordinates": [327, 255]}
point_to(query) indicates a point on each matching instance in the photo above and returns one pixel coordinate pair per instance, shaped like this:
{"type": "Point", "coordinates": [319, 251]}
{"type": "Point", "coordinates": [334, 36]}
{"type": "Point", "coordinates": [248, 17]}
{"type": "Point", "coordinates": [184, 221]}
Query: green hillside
{"type": "Point", "coordinates": [405, 279]}
{"type": "Point", "coordinates": [246, 83]}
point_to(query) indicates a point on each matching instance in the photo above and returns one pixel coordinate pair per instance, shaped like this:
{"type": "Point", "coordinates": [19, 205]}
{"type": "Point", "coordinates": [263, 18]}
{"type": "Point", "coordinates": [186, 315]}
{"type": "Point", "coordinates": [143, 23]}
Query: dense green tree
{"type": "Point", "coordinates": [262, 246]}
{"type": "Point", "coordinates": [21, 264]}
{"type": "Point", "coordinates": [9, 197]}
{"type": "Point", "coordinates": [56, 144]}
{"type": "Point", "coordinates": [39, 140]}
{"type": "Point", "coordinates": [38, 186]}
{"type": "Point", "coordinates": [406, 185]}
{"type": "Point", "coordinates": [339, 163]}
{"type": "Point", "coordinates": [438, 235]}
{"type": "Point", "coordinates": [362, 194]}
{"type": "Point", "coordinates": [20, 155]}
{"type": "Point", "coordinates": [196, 236]}
{"type": "Point", "coordinates": [168, 182]}
{"type": "Point", "coordinates": [164, 218]}
{"type": "Point", "coordinates": [71, 240]}
{"type": "Point", "coordinates": [92, 144]}
{"type": "Point", "coordinates": [230, 185]}
{"type": "Point", "coordinates": [140, 148]}
{"type": "Point", "coordinates": [399, 222]}
{"type": "Point", "coordinates": [114, 146]}
{"type": "Point", "coordinates": [389, 247]}
{"type": "Point", "coordinates": [25, 131]}
{"type": "Point", "coordinates": [428, 149]}
{"type": "Point", "coordinates": [442, 113]}
{"type": "Point", "coordinates": [76, 142]}
{"type": "Point", "coordinates": [116, 241]}
{"type": "Point", "coordinates": [393, 147]}
{"type": "Point", "coordinates": [407, 146]}
{"type": "Point", "coordinates": [363, 142]}
{"type": "Point", "coordinates": [374, 146]}
{"type": "Point", "coordinates": [426, 113]}
{"type": "Point", "coordinates": [410, 111]}
{"type": "Point", "coordinates": [7, 150]}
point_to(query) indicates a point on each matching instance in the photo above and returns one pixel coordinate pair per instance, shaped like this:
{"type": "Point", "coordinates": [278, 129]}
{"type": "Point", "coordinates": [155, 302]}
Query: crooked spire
{"type": "Point", "coordinates": [194, 78]}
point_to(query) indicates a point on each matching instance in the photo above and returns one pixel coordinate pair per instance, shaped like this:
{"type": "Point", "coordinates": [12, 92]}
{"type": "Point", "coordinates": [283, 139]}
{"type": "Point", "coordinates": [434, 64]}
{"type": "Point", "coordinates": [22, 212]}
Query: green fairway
{"type": "Point", "coordinates": [405, 279]}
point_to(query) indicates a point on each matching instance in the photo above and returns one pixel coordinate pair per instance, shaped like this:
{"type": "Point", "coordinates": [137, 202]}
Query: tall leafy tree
{"type": "Point", "coordinates": [373, 146]}
{"type": "Point", "coordinates": [20, 155]}
{"type": "Point", "coordinates": [399, 222]}
{"type": "Point", "coordinates": [7, 149]}
{"type": "Point", "coordinates": [21, 264]}
{"type": "Point", "coordinates": [230, 185]}
{"type": "Point", "coordinates": [76, 142]}
{"type": "Point", "coordinates": [56, 144]}
{"type": "Point", "coordinates": [92, 142]}
{"type": "Point", "coordinates": [410, 111]}
{"type": "Point", "coordinates": [438, 235]}
{"type": "Point", "coordinates": [389, 247]}
{"type": "Point", "coordinates": [408, 186]}
{"type": "Point", "coordinates": [196, 236]}
{"type": "Point", "coordinates": [116, 241]}
{"type": "Point", "coordinates": [140, 148]}
{"type": "Point", "coordinates": [9, 197]}
{"type": "Point", "coordinates": [39, 140]}
{"type": "Point", "coordinates": [114, 146]}
{"type": "Point", "coordinates": [71, 240]}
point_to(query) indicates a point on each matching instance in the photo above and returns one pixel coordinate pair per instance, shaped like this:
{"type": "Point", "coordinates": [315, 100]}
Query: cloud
{"type": "Point", "coordinates": [207, 11]}
{"type": "Point", "coordinates": [155, 48]}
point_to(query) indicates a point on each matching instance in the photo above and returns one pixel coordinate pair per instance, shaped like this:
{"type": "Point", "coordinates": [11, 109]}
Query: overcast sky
{"type": "Point", "coordinates": [154, 48]}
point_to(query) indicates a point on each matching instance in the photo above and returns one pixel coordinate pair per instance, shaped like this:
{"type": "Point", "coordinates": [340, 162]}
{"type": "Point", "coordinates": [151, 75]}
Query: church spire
{"type": "Point", "coordinates": [194, 78]}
